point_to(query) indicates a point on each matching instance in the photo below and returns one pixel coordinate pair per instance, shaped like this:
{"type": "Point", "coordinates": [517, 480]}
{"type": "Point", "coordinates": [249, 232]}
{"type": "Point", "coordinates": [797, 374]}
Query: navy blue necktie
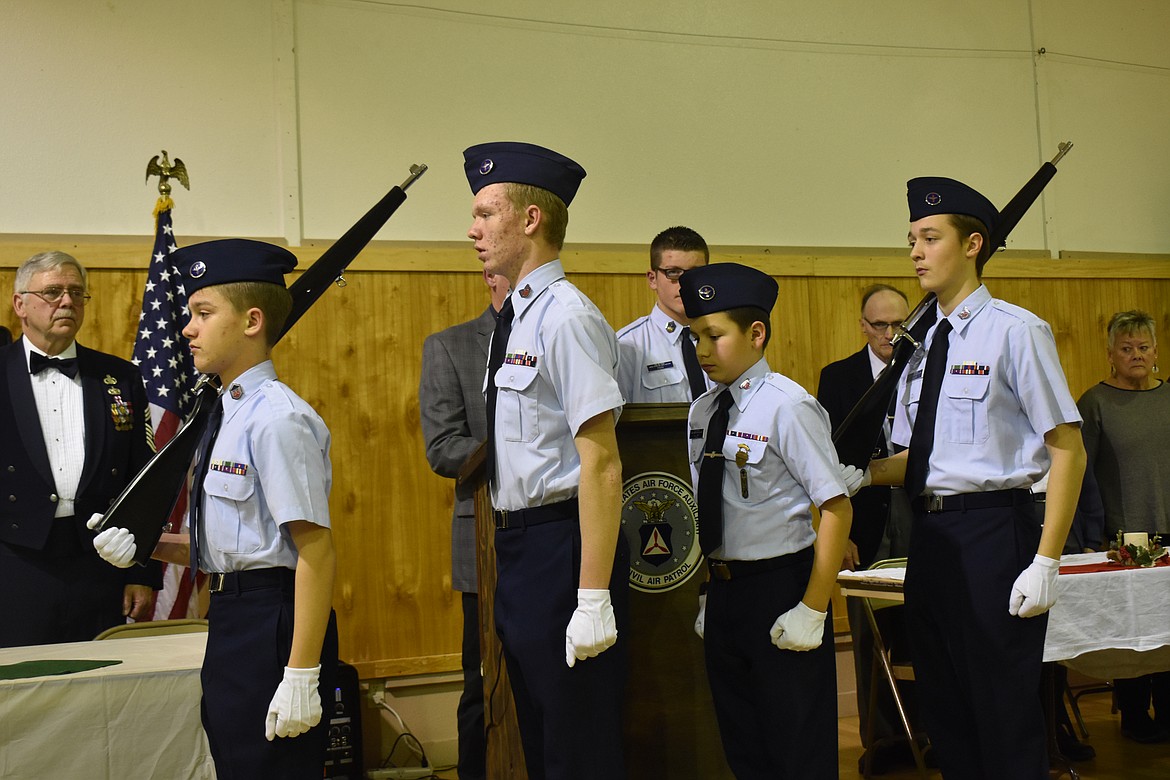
{"type": "Point", "coordinates": [201, 466]}
{"type": "Point", "coordinates": [922, 438]}
{"type": "Point", "coordinates": [38, 363]}
{"type": "Point", "coordinates": [711, 477]}
{"type": "Point", "coordinates": [691, 363]}
{"type": "Point", "coordinates": [495, 360]}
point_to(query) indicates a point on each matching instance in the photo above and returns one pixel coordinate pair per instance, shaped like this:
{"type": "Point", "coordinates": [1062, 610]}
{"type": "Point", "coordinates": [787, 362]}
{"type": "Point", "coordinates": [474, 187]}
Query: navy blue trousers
{"type": "Point", "coordinates": [777, 709]}
{"type": "Point", "coordinates": [977, 667]}
{"type": "Point", "coordinates": [248, 645]}
{"type": "Point", "coordinates": [570, 719]}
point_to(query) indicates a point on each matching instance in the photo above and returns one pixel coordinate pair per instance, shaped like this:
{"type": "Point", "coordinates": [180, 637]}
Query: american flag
{"type": "Point", "coordinates": [161, 354]}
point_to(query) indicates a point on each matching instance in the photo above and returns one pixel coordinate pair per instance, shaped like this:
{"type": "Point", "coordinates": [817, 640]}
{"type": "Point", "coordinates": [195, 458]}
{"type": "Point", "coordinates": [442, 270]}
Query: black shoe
{"type": "Point", "coordinates": [891, 756]}
{"type": "Point", "coordinates": [1139, 727]}
{"type": "Point", "coordinates": [1071, 747]}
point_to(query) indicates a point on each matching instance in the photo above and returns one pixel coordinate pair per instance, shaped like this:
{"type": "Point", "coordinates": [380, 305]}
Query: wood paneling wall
{"type": "Point", "coordinates": [355, 357]}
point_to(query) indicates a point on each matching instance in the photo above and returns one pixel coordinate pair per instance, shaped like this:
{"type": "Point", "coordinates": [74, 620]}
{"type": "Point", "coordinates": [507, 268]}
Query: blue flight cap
{"type": "Point", "coordinates": [722, 286]}
{"type": "Point", "coordinates": [232, 260]}
{"type": "Point", "coordinates": [928, 195]}
{"type": "Point", "coordinates": [521, 163]}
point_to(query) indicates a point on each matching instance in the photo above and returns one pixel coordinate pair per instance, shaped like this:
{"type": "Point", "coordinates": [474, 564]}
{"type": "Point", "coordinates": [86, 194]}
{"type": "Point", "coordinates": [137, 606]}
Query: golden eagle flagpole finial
{"type": "Point", "coordinates": [166, 171]}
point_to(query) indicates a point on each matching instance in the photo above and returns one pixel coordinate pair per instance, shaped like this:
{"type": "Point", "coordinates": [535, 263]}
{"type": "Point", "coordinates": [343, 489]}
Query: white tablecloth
{"type": "Point", "coordinates": [1104, 624]}
{"type": "Point", "coordinates": [136, 719]}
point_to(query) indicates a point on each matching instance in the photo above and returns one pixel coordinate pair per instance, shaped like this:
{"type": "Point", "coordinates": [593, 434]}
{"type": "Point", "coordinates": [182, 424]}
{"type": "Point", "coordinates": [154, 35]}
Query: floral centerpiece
{"type": "Point", "coordinates": [1137, 555]}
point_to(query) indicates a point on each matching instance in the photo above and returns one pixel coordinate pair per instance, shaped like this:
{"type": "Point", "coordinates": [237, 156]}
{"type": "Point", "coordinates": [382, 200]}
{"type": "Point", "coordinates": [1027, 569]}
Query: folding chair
{"type": "Point", "coordinates": [153, 628]}
{"type": "Point", "coordinates": [892, 671]}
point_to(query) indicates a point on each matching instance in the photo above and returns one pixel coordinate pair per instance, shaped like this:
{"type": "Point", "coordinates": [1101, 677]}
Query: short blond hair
{"type": "Point", "coordinates": [1127, 323]}
{"type": "Point", "coordinates": [553, 211]}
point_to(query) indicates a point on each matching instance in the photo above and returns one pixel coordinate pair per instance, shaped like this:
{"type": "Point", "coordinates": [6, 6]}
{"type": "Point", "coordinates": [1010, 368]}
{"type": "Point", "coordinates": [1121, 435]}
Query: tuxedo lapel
{"type": "Point", "coordinates": [485, 326]}
{"type": "Point", "coordinates": [24, 409]}
{"type": "Point", "coordinates": [93, 399]}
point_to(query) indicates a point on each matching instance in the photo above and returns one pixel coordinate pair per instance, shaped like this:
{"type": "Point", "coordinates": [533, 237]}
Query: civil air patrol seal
{"type": "Point", "coordinates": [933, 198]}
{"type": "Point", "coordinates": [485, 167]}
{"type": "Point", "coordinates": [706, 292]}
{"type": "Point", "coordinates": [659, 523]}
{"type": "Point", "coordinates": [198, 268]}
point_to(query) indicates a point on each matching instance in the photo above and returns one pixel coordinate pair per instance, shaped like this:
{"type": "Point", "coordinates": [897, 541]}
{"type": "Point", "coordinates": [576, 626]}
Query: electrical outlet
{"type": "Point", "coordinates": [400, 773]}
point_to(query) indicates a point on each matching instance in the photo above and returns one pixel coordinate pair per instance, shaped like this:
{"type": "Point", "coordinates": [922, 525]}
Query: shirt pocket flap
{"type": "Point", "coordinates": [967, 388]}
{"type": "Point", "coordinates": [660, 377]}
{"type": "Point", "coordinates": [733, 446]}
{"type": "Point", "coordinates": [232, 487]}
{"type": "Point", "coordinates": [517, 378]}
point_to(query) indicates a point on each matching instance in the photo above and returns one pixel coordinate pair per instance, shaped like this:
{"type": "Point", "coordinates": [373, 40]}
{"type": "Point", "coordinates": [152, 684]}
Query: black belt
{"type": "Point", "coordinates": [734, 570]}
{"type": "Point", "coordinates": [537, 515]}
{"type": "Point", "coordinates": [967, 501]}
{"type": "Point", "coordinates": [251, 579]}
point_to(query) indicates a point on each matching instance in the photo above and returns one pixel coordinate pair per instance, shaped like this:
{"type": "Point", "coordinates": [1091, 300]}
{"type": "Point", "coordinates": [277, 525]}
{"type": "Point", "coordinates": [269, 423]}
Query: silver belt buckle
{"type": "Point", "coordinates": [215, 582]}
{"type": "Point", "coordinates": [934, 503]}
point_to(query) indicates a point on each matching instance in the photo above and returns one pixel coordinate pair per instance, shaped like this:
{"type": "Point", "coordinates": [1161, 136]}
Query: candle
{"type": "Point", "coordinates": [1137, 539]}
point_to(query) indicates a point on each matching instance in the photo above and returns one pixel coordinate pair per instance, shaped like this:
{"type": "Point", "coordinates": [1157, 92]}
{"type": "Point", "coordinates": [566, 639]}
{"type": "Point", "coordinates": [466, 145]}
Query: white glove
{"type": "Point", "coordinates": [1034, 591]}
{"type": "Point", "coordinates": [701, 620]}
{"type": "Point", "coordinates": [296, 706]}
{"type": "Point", "coordinates": [855, 479]}
{"type": "Point", "coordinates": [115, 545]}
{"type": "Point", "coordinates": [592, 629]}
{"type": "Point", "coordinates": [800, 628]}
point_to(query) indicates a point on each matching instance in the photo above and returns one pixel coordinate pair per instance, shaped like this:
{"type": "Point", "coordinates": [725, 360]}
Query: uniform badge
{"type": "Point", "coordinates": [933, 198]}
{"type": "Point", "coordinates": [198, 268]}
{"type": "Point", "coordinates": [109, 380]}
{"type": "Point", "coordinates": [660, 366]}
{"type": "Point", "coordinates": [228, 467]}
{"type": "Point", "coordinates": [520, 359]}
{"type": "Point", "coordinates": [235, 391]}
{"type": "Point", "coordinates": [659, 524]}
{"type": "Point", "coordinates": [485, 167]}
{"type": "Point", "coordinates": [970, 368]}
{"type": "Point", "coordinates": [526, 292]}
{"type": "Point", "coordinates": [121, 414]}
{"type": "Point", "coordinates": [670, 327]}
{"type": "Point", "coordinates": [745, 384]}
{"type": "Point", "coordinates": [965, 313]}
{"type": "Point", "coordinates": [706, 292]}
{"type": "Point", "coordinates": [114, 390]}
{"type": "Point", "coordinates": [748, 436]}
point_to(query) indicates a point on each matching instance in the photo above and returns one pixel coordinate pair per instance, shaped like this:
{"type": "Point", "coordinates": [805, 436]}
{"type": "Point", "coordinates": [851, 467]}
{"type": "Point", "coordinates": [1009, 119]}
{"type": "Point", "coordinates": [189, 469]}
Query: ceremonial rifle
{"type": "Point", "coordinates": [146, 502]}
{"type": "Point", "coordinates": [859, 431]}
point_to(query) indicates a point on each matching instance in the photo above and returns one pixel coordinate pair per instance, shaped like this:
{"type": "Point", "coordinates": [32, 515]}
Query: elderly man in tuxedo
{"type": "Point", "coordinates": [454, 423]}
{"type": "Point", "coordinates": [881, 515]}
{"type": "Point", "coordinates": [75, 431]}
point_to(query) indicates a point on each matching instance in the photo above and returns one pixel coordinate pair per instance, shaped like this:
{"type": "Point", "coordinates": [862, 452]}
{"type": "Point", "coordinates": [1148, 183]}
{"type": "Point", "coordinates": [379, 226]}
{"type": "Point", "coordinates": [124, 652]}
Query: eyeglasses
{"type": "Point", "coordinates": [882, 327]}
{"type": "Point", "coordinates": [54, 294]}
{"type": "Point", "coordinates": [673, 274]}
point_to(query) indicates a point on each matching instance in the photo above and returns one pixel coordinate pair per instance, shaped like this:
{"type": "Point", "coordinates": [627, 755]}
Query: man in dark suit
{"type": "Point", "coordinates": [881, 515]}
{"type": "Point", "coordinates": [454, 423]}
{"type": "Point", "coordinates": [75, 431]}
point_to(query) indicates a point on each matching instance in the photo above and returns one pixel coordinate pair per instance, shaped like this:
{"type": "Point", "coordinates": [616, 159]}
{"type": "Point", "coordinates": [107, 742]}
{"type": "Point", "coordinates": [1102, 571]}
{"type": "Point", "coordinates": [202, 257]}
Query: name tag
{"type": "Point", "coordinates": [696, 433]}
{"type": "Point", "coordinates": [660, 366]}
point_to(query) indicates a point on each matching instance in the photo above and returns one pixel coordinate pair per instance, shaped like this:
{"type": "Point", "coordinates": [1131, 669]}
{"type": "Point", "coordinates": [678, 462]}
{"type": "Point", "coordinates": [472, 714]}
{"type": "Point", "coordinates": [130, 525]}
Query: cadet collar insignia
{"type": "Point", "coordinates": [745, 384]}
{"type": "Point", "coordinates": [970, 368]}
{"type": "Point", "coordinates": [520, 359]}
{"type": "Point", "coordinates": [670, 327]}
{"type": "Point", "coordinates": [235, 391]}
{"type": "Point", "coordinates": [748, 436]}
{"type": "Point", "coordinates": [660, 366]}
{"type": "Point", "coordinates": [965, 313]}
{"type": "Point", "coordinates": [526, 292]}
{"type": "Point", "coordinates": [109, 380]}
{"type": "Point", "coordinates": [121, 413]}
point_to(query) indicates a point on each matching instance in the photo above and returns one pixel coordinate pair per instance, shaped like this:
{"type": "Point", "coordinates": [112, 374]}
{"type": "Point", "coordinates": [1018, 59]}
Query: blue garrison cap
{"type": "Point", "coordinates": [232, 260]}
{"type": "Point", "coordinates": [722, 286]}
{"type": "Point", "coordinates": [928, 195]}
{"type": "Point", "coordinates": [521, 163]}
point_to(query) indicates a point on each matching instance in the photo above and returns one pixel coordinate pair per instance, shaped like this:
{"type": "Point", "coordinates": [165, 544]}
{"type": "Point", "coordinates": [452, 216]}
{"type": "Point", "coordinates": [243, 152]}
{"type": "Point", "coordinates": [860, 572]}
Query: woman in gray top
{"type": "Point", "coordinates": [1127, 439]}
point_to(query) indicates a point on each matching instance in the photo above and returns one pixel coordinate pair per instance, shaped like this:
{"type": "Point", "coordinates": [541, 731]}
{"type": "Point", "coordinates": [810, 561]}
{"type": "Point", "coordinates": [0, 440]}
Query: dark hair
{"type": "Point", "coordinates": [272, 299]}
{"type": "Point", "coordinates": [744, 316]}
{"type": "Point", "coordinates": [966, 225]}
{"type": "Point", "coordinates": [680, 239]}
{"type": "Point", "coordinates": [874, 289]}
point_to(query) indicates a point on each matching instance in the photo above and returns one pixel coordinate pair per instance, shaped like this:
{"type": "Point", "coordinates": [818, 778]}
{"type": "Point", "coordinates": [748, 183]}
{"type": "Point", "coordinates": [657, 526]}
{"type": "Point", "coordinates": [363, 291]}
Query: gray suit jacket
{"type": "Point", "coordinates": [454, 422]}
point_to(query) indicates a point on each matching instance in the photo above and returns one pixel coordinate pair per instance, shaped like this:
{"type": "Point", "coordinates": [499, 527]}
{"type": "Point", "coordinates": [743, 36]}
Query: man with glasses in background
{"type": "Point", "coordinates": [881, 515]}
{"type": "Point", "coordinates": [657, 362]}
{"type": "Point", "coordinates": [75, 431]}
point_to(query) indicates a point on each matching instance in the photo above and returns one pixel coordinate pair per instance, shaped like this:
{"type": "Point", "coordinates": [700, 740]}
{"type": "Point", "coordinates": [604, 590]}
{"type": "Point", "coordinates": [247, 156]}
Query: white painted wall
{"type": "Point", "coordinates": [758, 122]}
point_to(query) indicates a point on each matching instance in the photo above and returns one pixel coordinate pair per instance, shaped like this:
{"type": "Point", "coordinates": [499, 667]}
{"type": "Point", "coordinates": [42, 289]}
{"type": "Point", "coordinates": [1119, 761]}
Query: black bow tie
{"type": "Point", "coordinates": [39, 362]}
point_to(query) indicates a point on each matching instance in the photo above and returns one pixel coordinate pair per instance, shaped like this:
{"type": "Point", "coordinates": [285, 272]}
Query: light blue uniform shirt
{"type": "Point", "coordinates": [269, 466]}
{"type": "Point", "coordinates": [559, 372]}
{"type": "Point", "coordinates": [1002, 391]}
{"type": "Point", "coordinates": [651, 368]}
{"type": "Point", "coordinates": [790, 464]}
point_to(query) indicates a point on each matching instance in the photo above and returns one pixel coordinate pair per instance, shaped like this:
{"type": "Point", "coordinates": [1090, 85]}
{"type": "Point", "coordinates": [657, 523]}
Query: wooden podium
{"type": "Point", "coordinates": [669, 721]}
